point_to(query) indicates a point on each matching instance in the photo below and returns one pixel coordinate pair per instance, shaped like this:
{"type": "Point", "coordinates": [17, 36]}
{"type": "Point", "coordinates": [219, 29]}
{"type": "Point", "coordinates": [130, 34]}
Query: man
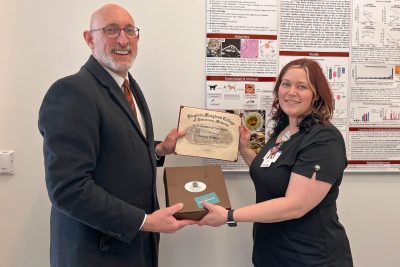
{"type": "Point", "coordinates": [100, 156]}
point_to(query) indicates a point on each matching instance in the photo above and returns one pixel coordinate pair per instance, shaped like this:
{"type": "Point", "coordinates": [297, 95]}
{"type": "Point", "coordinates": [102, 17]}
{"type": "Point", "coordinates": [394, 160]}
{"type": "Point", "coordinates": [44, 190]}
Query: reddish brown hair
{"type": "Point", "coordinates": [322, 104]}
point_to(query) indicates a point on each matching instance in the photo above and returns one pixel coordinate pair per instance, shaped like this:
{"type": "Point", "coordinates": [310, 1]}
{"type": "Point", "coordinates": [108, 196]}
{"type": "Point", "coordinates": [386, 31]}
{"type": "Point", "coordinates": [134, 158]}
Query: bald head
{"type": "Point", "coordinates": [107, 14]}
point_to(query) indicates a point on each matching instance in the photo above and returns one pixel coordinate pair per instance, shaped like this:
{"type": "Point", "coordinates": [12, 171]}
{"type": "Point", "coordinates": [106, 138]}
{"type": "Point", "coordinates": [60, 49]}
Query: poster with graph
{"type": "Point", "coordinates": [357, 44]}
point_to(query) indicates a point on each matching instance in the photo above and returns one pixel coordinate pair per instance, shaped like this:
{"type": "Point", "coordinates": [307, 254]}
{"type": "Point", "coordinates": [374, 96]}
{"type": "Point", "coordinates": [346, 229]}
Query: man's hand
{"type": "Point", "coordinates": [163, 221]}
{"type": "Point", "coordinates": [168, 145]}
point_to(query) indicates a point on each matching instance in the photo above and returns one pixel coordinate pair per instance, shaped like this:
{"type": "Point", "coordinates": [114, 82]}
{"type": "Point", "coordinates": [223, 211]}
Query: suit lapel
{"type": "Point", "coordinates": [114, 90]}
{"type": "Point", "coordinates": [144, 109]}
{"type": "Point", "coordinates": [117, 95]}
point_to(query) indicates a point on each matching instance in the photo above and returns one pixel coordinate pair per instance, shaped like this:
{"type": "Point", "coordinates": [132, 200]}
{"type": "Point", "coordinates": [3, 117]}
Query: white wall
{"type": "Point", "coordinates": [42, 41]}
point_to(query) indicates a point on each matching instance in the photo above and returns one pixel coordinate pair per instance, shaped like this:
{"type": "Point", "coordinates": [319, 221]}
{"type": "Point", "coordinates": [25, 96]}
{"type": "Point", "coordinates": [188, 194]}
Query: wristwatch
{"type": "Point", "coordinates": [230, 221]}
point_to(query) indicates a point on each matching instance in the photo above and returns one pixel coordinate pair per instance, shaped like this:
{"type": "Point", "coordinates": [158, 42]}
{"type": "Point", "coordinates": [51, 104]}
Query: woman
{"type": "Point", "coordinates": [296, 176]}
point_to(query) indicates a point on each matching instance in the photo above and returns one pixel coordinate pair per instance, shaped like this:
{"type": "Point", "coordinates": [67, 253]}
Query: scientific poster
{"type": "Point", "coordinates": [357, 44]}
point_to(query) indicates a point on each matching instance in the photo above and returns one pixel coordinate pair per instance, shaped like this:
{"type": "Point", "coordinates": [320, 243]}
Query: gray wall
{"type": "Point", "coordinates": [42, 41]}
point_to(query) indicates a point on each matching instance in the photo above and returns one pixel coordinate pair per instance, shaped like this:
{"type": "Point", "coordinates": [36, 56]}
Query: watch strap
{"type": "Point", "coordinates": [230, 221]}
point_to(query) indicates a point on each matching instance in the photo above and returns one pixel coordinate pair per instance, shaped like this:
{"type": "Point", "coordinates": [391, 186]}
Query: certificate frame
{"type": "Point", "coordinates": [209, 134]}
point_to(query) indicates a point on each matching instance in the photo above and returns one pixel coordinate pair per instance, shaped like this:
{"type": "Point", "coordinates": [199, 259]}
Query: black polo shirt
{"type": "Point", "coordinates": [317, 238]}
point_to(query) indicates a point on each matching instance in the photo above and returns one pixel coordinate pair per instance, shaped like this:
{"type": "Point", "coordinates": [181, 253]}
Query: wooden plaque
{"type": "Point", "coordinates": [192, 185]}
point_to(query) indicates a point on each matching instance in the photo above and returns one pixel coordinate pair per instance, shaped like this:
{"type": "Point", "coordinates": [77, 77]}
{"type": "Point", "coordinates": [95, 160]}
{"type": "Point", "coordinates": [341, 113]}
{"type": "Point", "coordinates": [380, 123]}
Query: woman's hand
{"type": "Point", "coordinates": [244, 140]}
{"type": "Point", "coordinates": [244, 145]}
{"type": "Point", "coordinates": [216, 215]}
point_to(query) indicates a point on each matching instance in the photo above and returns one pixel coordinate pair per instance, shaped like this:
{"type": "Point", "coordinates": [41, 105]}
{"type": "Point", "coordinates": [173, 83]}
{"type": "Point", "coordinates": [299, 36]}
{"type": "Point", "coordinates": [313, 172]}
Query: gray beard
{"type": "Point", "coordinates": [112, 65]}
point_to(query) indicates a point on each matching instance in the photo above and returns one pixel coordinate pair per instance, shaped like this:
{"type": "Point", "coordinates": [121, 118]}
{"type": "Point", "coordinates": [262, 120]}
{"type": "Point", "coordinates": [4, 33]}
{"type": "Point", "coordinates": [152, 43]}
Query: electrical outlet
{"type": "Point", "coordinates": [7, 162]}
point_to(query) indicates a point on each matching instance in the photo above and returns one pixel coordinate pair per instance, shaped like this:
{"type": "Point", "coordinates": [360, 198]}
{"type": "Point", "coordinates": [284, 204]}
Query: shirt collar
{"type": "Point", "coordinates": [118, 79]}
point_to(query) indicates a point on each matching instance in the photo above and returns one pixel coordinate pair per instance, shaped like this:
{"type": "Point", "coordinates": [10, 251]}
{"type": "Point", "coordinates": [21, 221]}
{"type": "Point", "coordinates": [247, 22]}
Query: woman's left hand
{"type": "Point", "coordinates": [215, 217]}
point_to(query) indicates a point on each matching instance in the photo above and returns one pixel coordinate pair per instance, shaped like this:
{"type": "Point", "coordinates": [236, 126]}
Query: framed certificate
{"type": "Point", "coordinates": [209, 134]}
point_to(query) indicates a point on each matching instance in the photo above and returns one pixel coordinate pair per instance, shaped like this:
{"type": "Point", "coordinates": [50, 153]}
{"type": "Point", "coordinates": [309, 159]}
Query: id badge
{"type": "Point", "coordinates": [269, 159]}
{"type": "Point", "coordinates": [266, 163]}
{"type": "Point", "coordinates": [276, 156]}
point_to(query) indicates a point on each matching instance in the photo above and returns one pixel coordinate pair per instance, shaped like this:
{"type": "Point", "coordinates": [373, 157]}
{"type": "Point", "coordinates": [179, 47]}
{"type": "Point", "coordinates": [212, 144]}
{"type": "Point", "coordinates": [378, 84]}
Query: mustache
{"type": "Point", "coordinates": [120, 47]}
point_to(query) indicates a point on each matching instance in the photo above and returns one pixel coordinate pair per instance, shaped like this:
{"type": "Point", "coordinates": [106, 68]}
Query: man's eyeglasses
{"type": "Point", "coordinates": [114, 31]}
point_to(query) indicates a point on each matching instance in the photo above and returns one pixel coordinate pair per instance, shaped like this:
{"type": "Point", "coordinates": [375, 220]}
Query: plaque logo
{"type": "Point", "coordinates": [195, 186]}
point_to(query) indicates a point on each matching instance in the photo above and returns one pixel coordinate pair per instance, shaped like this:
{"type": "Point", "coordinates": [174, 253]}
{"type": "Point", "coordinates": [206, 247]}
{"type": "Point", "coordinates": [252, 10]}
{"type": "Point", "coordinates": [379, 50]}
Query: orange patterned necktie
{"type": "Point", "coordinates": [129, 97]}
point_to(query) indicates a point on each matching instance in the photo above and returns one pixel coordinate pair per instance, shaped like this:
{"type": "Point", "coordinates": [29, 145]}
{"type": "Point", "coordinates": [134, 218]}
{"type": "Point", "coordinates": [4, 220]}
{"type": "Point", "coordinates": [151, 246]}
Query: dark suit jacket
{"type": "Point", "coordinates": [100, 172]}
